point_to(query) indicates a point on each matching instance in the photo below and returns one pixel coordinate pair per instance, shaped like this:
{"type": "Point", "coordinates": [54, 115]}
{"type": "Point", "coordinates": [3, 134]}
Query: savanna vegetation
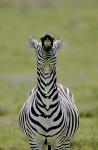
{"type": "Point", "coordinates": [76, 21]}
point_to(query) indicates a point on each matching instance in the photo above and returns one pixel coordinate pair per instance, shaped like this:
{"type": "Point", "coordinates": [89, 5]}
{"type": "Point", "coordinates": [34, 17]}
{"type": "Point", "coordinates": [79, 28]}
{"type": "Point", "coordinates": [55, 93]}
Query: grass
{"type": "Point", "coordinates": [77, 67]}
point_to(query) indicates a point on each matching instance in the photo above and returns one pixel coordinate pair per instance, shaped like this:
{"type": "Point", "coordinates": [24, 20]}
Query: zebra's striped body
{"type": "Point", "coordinates": [49, 117]}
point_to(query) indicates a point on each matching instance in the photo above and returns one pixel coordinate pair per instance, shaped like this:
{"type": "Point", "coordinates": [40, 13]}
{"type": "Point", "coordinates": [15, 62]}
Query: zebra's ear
{"type": "Point", "coordinates": [57, 44]}
{"type": "Point", "coordinates": [33, 43]}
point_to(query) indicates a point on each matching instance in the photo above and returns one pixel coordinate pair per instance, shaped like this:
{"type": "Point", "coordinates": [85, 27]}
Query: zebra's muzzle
{"type": "Point", "coordinates": [47, 48]}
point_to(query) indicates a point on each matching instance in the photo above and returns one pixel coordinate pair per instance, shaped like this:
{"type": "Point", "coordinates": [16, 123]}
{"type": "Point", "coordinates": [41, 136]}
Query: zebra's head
{"type": "Point", "coordinates": [46, 51]}
{"type": "Point", "coordinates": [47, 42]}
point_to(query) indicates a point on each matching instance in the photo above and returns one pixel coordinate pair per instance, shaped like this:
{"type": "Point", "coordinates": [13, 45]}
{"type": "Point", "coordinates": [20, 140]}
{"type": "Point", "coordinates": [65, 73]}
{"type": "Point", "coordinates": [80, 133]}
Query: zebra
{"type": "Point", "coordinates": [49, 117]}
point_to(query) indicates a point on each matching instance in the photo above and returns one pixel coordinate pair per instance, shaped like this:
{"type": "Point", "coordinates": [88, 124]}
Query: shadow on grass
{"type": "Point", "coordinates": [86, 115]}
{"type": "Point", "coordinates": [84, 145]}
{"type": "Point", "coordinates": [10, 148]}
{"type": "Point", "coordinates": [89, 114]}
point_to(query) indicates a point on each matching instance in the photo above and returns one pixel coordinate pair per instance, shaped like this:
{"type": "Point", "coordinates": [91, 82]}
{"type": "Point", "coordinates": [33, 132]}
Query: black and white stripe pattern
{"type": "Point", "coordinates": [49, 117]}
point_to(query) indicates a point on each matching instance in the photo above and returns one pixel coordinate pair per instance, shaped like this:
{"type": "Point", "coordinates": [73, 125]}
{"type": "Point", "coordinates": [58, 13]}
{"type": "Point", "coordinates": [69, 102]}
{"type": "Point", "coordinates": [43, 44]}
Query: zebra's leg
{"type": "Point", "coordinates": [36, 144]}
{"type": "Point", "coordinates": [66, 145]}
{"type": "Point", "coordinates": [33, 145]}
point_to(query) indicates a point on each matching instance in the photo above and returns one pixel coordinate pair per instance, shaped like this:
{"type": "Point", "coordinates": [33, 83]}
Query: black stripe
{"type": "Point", "coordinates": [49, 147]}
{"type": "Point", "coordinates": [39, 81]}
{"type": "Point", "coordinates": [37, 107]}
{"type": "Point", "coordinates": [55, 97]}
{"type": "Point", "coordinates": [34, 112]}
{"type": "Point", "coordinates": [58, 115]}
{"type": "Point", "coordinates": [53, 105]}
{"type": "Point", "coordinates": [55, 127]}
{"type": "Point", "coordinates": [54, 111]}
{"type": "Point", "coordinates": [37, 123]}
{"type": "Point", "coordinates": [41, 92]}
{"type": "Point", "coordinates": [40, 125]}
{"type": "Point", "coordinates": [31, 126]}
{"type": "Point", "coordinates": [53, 84]}
{"type": "Point", "coordinates": [54, 90]}
{"type": "Point", "coordinates": [45, 142]}
{"type": "Point", "coordinates": [51, 80]}
{"type": "Point", "coordinates": [39, 98]}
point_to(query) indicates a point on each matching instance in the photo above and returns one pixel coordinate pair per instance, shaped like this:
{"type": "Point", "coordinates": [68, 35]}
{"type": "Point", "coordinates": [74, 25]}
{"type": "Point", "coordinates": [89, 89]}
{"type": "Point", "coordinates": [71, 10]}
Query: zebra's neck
{"type": "Point", "coordinates": [47, 85]}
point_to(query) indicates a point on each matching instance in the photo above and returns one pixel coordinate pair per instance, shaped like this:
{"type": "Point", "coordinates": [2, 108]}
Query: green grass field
{"type": "Point", "coordinates": [76, 21]}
